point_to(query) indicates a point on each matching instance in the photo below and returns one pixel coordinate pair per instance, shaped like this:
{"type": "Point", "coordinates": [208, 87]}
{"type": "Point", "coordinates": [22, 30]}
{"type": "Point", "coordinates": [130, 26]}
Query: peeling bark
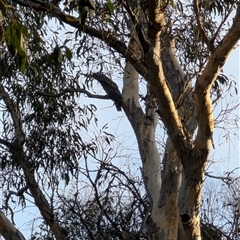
{"type": "Point", "coordinates": [164, 220]}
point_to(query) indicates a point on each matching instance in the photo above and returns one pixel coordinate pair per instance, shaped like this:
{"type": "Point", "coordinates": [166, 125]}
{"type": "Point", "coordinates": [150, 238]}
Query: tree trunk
{"type": "Point", "coordinates": [174, 194]}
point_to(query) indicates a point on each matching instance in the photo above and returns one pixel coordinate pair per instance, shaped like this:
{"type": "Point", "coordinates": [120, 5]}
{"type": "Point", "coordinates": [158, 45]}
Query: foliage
{"type": "Point", "coordinates": [112, 207]}
{"type": "Point", "coordinates": [46, 70]}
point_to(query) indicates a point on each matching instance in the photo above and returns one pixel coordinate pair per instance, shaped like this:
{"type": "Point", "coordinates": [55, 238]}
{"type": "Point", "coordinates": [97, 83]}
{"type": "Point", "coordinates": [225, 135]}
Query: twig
{"type": "Point", "coordinates": [221, 24]}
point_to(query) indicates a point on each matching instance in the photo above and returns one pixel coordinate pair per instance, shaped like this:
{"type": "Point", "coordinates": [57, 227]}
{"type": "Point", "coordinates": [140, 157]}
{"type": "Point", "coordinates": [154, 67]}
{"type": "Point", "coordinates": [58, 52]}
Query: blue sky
{"type": "Point", "coordinates": [225, 154]}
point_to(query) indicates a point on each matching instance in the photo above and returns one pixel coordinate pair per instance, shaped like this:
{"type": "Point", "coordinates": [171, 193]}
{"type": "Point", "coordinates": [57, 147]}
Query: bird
{"type": "Point", "coordinates": [110, 88]}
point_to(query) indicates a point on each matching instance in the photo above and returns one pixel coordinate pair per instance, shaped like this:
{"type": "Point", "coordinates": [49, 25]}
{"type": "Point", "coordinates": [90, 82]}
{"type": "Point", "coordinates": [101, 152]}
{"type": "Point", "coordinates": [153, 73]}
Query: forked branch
{"type": "Point", "coordinates": [205, 81]}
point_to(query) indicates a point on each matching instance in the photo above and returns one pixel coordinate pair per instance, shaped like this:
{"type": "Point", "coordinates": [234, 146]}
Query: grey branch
{"type": "Point", "coordinates": [8, 230]}
{"type": "Point", "coordinates": [110, 88]}
{"type": "Point", "coordinates": [70, 90]}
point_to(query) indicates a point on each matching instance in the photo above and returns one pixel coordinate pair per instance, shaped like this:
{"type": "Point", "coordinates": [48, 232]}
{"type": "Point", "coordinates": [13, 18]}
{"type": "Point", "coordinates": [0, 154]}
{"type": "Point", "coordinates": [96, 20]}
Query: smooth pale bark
{"type": "Point", "coordinates": [165, 217]}
{"type": "Point", "coordinates": [8, 230]}
{"type": "Point", "coordinates": [182, 95]}
{"type": "Point", "coordinates": [144, 126]}
{"type": "Point", "coordinates": [194, 166]}
{"type": "Point", "coordinates": [164, 220]}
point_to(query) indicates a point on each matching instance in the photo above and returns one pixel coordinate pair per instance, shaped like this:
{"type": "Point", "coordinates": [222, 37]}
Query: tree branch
{"type": "Point", "coordinates": [41, 201]}
{"type": "Point", "coordinates": [71, 90]}
{"type": "Point", "coordinates": [17, 150]}
{"type": "Point", "coordinates": [107, 37]}
{"type": "Point", "coordinates": [13, 110]}
{"type": "Point", "coordinates": [221, 24]}
{"type": "Point", "coordinates": [133, 10]}
{"type": "Point", "coordinates": [200, 26]}
{"type": "Point", "coordinates": [8, 230]}
{"type": "Point", "coordinates": [205, 81]}
{"type": "Point", "coordinates": [228, 179]}
{"type": "Point", "coordinates": [110, 88]}
{"type": "Point", "coordinates": [194, 163]}
{"type": "Point", "coordinates": [144, 127]}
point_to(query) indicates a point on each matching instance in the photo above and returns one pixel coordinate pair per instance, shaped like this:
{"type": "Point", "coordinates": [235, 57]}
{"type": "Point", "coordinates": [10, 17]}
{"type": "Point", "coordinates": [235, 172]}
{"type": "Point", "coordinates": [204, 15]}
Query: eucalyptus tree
{"type": "Point", "coordinates": [176, 48]}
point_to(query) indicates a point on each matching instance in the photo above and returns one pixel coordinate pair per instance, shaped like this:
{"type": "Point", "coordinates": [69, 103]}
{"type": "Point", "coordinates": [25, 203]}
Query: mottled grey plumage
{"type": "Point", "coordinates": [110, 88]}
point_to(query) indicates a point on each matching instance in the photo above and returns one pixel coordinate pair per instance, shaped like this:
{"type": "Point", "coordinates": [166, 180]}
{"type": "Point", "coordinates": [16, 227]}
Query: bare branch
{"type": "Point", "coordinates": [228, 179]}
{"type": "Point", "coordinates": [94, 185]}
{"type": "Point", "coordinates": [224, 179]}
{"type": "Point", "coordinates": [71, 90]}
{"type": "Point", "coordinates": [110, 88]}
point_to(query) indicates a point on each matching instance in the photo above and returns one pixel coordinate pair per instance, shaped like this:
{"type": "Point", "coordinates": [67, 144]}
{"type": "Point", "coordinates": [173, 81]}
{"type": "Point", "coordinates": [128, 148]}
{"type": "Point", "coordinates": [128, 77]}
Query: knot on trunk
{"type": "Point", "coordinates": [185, 218]}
